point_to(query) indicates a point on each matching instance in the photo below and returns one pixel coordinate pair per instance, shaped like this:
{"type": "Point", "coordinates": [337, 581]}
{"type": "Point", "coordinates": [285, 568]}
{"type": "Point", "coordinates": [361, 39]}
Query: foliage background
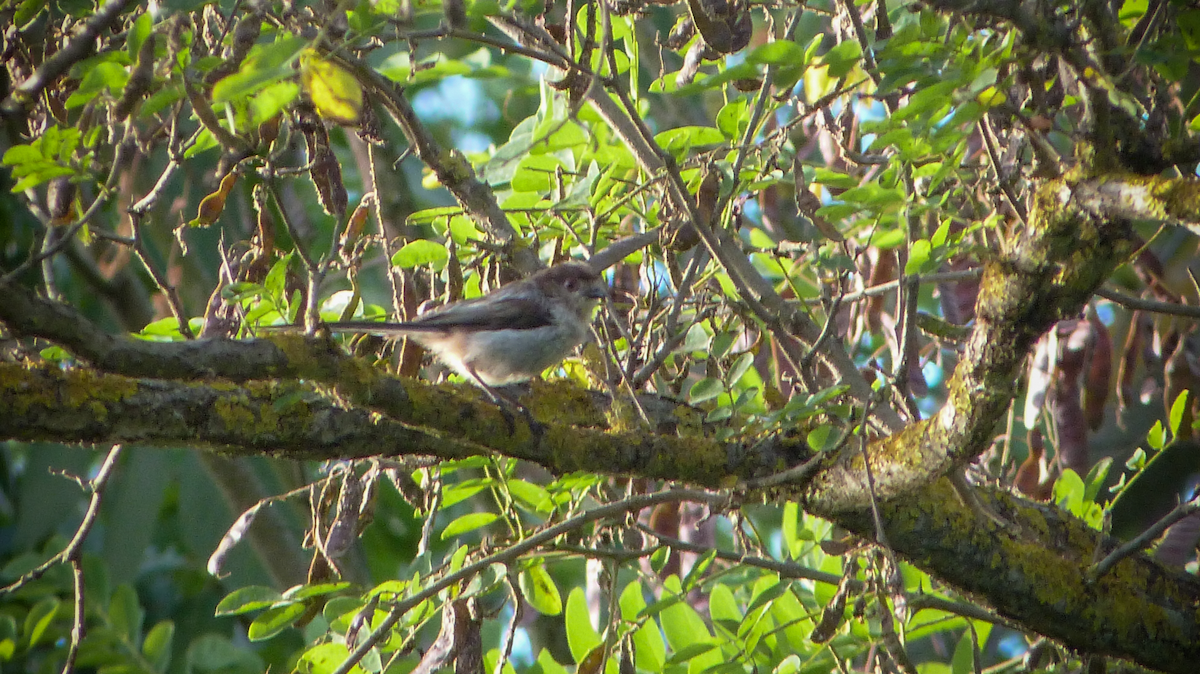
{"type": "Point", "coordinates": [787, 195]}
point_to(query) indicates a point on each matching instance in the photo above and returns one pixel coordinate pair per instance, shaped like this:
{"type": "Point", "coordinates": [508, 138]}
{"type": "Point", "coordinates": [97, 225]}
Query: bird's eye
{"type": "Point", "coordinates": [571, 284]}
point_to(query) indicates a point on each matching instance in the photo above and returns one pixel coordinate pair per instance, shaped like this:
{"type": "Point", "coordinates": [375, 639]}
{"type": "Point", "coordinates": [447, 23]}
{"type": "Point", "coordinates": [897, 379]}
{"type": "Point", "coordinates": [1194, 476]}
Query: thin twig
{"type": "Point", "coordinates": [785, 569]}
{"type": "Point", "coordinates": [1142, 304]}
{"type": "Point", "coordinates": [74, 547]}
{"type": "Point", "coordinates": [1145, 538]}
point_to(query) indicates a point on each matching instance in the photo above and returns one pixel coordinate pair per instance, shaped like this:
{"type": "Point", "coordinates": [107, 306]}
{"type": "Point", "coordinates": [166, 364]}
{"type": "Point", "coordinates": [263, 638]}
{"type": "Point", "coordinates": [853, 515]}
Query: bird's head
{"type": "Point", "coordinates": [575, 282]}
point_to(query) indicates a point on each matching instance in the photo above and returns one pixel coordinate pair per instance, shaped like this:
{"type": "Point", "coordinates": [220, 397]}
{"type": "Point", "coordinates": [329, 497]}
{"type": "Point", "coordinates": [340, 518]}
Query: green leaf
{"type": "Point", "coordinates": [963, 661]}
{"type": "Point", "coordinates": [39, 619]}
{"type": "Point", "coordinates": [125, 614]}
{"type": "Point", "coordinates": [157, 646]}
{"type": "Point", "coordinates": [793, 618]}
{"type": "Point", "coordinates": [1156, 437]}
{"type": "Point", "coordinates": [686, 137]}
{"type": "Point", "coordinates": [733, 119]}
{"type": "Point", "coordinates": [918, 257]}
{"type": "Point", "coordinates": [779, 52]}
{"type": "Point", "coordinates": [389, 587]}
{"type": "Point", "coordinates": [581, 635]}
{"type": "Point", "coordinates": [1177, 409]}
{"type": "Point", "coordinates": [27, 11]}
{"type": "Point", "coordinates": [536, 173]}
{"type": "Point", "coordinates": [266, 64]}
{"type": "Point", "coordinates": [564, 135]}
{"type": "Point", "coordinates": [650, 651]}
{"type": "Point", "coordinates": [705, 389]}
{"type": "Point", "coordinates": [318, 590]}
{"type": "Point", "coordinates": [420, 253]}
{"type": "Point", "coordinates": [790, 528]}
{"type": "Point", "coordinates": [723, 608]}
{"type": "Point", "coordinates": [834, 179]}
{"type": "Point", "coordinates": [468, 522]}
{"type": "Point", "coordinates": [696, 574]}
{"type": "Point", "coordinates": [819, 437]}
{"type": "Point", "coordinates": [273, 621]}
{"type": "Point", "coordinates": [739, 368]}
{"type": "Point", "coordinates": [137, 35]}
{"type": "Point", "coordinates": [458, 558]}
{"type": "Point", "coordinates": [246, 599]}
{"type": "Point", "coordinates": [271, 100]}
{"type": "Point", "coordinates": [696, 339]}
{"type": "Point", "coordinates": [631, 601]}
{"type": "Point", "coordinates": [540, 591]}
{"type": "Point", "coordinates": [691, 652]}
{"type": "Point", "coordinates": [1095, 478]}
{"type": "Point", "coordinates": [548, 664]}
{"type": "Point", "coordinates": [160, 98]}
{"type": "Point", "coordinates": [767, 596]}
{"type": "Point", "coordinates": [103, 77]}
{"type": "Point", "coordinates": [461, 491]}
{"type": "Point", "coordinates": [46, 158]}
{"type": "Point", "coordinates": [531, 495]}
{"type": "Point", "coordinates": [842, 58]}
{"type": "Point", "coordinates": [325, 658]}
{"type": "Point", "coordinates": [1068, 492]}
{"type": "Point", "coordinates": [276, 281]}
{"type": "Point", "coordinates": [215, 653]}
{"type": "Point", "coordinates": [687, 634]}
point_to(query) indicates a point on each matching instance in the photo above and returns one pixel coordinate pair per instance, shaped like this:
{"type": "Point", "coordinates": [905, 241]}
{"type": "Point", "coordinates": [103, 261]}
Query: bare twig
{"type": "Point", "coordinates": [74, 548]}
{"type": "Point", "coordinates": [1142, 304]}
{"type": "Point", "coordinates": [1145, 538]}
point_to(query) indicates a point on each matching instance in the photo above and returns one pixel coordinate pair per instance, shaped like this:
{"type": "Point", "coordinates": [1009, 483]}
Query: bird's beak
{"type": "Point", "coordinates": [596, 291]}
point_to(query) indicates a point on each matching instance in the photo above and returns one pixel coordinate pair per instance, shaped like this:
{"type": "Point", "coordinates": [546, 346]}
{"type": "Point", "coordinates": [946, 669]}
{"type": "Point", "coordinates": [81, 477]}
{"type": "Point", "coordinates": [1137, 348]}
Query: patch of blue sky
{"type": "Point", "coordinates": [457, 99]}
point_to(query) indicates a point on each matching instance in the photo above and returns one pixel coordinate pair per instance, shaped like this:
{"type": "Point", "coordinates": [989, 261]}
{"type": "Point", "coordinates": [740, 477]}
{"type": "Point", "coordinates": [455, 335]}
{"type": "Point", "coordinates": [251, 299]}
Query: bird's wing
{"type": "Point", "coordinates": [496, 313]}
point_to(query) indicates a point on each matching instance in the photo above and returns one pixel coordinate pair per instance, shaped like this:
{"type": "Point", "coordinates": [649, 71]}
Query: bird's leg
{"type": "Point", "coordinates": [506, 403]}
{"type": "Point", "coordinates": [970, 499]}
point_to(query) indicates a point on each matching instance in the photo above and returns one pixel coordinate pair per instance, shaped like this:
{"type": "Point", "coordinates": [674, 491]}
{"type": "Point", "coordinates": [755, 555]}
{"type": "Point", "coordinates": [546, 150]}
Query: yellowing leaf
{"type": "Point", "coordinates": [332, 88]}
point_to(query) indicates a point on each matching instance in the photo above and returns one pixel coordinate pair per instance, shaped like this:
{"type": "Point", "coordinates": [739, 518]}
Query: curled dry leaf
{"type": "Point", "coordinates": [680, 33]}
{"type": "Point", "coordinates": [231, 538]}
{"type": "Point", "coordinates": [1097, 373]}
{"type": "Point", "coordinates": [1069, 423]}
{"type": "Point", "coordinates": [1140, 328]}
{"type": "Point", "coordinates": [958, 297]}
{"type": "Point", "coordinates": [1178, 546]}
{"type": "Point", "coordinates": [345, 521]}
{"type": "Point", "coordinates": [60, 197]}
{"type": "Point", "coordinates": [213, 205]}
{"type": "Point", "coordinates": [355, 225]}
{"type": "Point", "coordinates": [1032, 478]}
{"type": "Point", "coordinates": [832, 615]}
{"type": "Point", "coordinates": [691, 65]}
{"type": "Point", "coordinates": [1041, 375]}
{"type": "Point", "coordinates": [325, 171]}
{"type": "Point", "coordinates": [883, 270]}
{"type": "Point", "coordinates": [460, 640]}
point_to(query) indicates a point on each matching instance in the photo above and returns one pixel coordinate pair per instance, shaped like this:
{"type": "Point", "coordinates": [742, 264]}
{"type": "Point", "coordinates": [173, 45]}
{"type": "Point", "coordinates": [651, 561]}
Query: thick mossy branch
{"type": "Point", "coordinates": [1035, 571]}
{"type": "Point", "coordinates": [292, 420]}
{"type": "Point", "coordinates": [576, 434]}
{"type": "Point", "coordinates": [282, 419]}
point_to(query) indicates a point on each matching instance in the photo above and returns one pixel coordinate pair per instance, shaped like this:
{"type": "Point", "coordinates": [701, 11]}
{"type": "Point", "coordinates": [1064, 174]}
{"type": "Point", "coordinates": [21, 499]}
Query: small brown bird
{"type": "Point", "coordinates": [509, 335]}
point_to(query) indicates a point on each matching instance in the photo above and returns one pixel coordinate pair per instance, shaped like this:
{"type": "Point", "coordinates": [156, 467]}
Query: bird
{"type": "Point", "coordinates": [509, 335]}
